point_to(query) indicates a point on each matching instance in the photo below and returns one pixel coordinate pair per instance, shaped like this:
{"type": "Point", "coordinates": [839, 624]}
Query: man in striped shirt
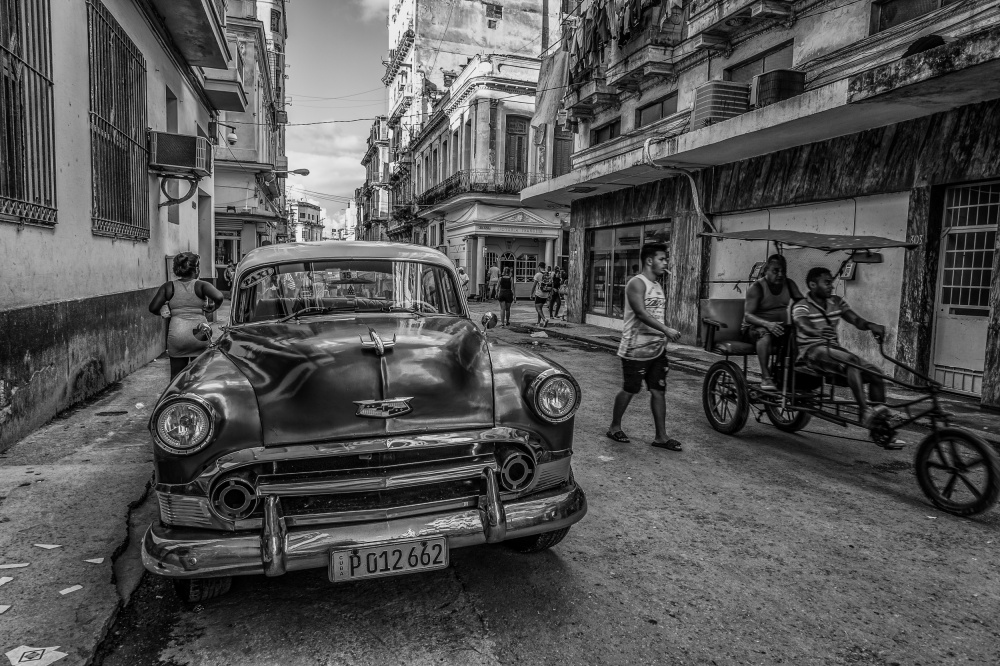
{"type": "Point", "coordinates": [817, 320]}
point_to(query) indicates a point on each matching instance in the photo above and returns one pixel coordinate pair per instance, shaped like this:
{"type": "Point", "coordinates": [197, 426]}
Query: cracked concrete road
{"type": "Point", "coordinates": [765, 548]}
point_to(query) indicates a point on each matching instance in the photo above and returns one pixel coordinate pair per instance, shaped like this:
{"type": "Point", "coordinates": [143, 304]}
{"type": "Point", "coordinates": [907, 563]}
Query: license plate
{"type": "Point", "coordinates": [388, 559]}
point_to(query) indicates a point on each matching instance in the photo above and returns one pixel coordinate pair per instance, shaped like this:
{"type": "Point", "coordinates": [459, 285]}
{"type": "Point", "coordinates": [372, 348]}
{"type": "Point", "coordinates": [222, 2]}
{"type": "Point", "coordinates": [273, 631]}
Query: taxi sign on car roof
{"type": "Point", "coordinates": [825, 242]}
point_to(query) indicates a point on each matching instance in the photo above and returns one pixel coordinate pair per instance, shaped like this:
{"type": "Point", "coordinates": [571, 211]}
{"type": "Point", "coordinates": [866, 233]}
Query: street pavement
{"type": "Point", "coordinates": [764, 548]}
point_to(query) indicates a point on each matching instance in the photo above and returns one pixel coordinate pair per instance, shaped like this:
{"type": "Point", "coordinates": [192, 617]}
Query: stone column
{"type": "Point", "coordinates": [481, 160]}
{"type": "Point", "coordinates": [475, 248]}
{"type": "Point", "coordinates": [549, 258]}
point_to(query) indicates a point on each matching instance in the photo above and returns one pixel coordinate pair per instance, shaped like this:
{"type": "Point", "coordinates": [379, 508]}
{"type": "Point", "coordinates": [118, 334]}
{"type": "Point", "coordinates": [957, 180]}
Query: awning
{"type": "Point", "coordinates": [824, 242]}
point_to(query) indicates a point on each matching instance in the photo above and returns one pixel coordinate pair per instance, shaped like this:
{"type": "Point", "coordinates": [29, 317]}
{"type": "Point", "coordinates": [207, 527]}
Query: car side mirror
{"type": "Point", "coordinates": [203, 332]}
{"type": "Point", "coordinates": [489, 321]}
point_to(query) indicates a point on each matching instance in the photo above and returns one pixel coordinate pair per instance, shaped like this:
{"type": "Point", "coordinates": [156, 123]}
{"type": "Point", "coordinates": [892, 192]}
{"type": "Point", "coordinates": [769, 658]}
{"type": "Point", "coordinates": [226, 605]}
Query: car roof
{"type": "Point", "coordinates": [311, 251]}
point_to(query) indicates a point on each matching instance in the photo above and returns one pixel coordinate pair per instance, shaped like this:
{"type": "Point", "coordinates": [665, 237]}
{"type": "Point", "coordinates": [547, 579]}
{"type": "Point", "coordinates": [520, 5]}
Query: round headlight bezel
{"type": "Point", "coordinates": [539, 384]}
{"type": "Point", "coordinates": [198, 404]}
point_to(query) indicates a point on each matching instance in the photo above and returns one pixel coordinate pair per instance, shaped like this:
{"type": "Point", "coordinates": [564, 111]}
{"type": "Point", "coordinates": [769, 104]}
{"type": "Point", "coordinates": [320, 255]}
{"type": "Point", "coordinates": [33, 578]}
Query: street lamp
{"type": "Point", "coordinates": [297, 172]}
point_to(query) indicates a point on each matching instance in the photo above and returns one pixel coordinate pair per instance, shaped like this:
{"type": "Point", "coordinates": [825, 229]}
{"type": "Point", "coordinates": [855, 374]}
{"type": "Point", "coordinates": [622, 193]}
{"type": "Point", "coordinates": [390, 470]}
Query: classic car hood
{"type": "Point", "coordinates": [308, 374]}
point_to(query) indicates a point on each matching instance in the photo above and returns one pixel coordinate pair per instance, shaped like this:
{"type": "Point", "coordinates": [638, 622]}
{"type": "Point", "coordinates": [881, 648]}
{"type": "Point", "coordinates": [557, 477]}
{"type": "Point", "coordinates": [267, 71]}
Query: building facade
{"type": "Point", "coordinates": [374, 197]}
{"type": "Point", "coordinates": [858, 118]}
{"type": "Point", "coordinates": [250, 134]}
{"type": "Point", "coordinates": [305, 221]}
{"type": "Point", "coordinates": [452, 106]}
{"type": "Point", "coordinates": [86, 233]}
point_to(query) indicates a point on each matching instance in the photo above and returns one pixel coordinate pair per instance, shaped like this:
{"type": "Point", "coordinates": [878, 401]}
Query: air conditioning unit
{"type": "Point", "coordinates": [775, 86]}
{"type": "Point", "coordinates": [716, 101]}
{"type": "Point", "coordinates": [180, 153]}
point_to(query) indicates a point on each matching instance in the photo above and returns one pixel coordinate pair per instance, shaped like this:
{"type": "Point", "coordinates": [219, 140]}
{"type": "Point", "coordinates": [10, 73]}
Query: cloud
{"type": "Point", "coordinates": [373, 9]}
{"type": "Point", "coordinates": [327, 139]}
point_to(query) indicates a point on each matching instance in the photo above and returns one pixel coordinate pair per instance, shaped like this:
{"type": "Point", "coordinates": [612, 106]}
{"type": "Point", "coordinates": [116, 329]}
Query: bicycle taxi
{"type": "Point", "coordinates": [956, 469]}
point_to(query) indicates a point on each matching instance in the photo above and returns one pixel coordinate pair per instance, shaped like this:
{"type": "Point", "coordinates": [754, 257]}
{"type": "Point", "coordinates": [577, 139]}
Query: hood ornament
{"type": "Point", "coordinates": [383, 409]}
{"type": "Point", "coordinates": [377, 343]}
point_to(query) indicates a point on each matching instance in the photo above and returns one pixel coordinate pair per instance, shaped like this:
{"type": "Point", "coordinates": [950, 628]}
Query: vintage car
{"type": "Point", "coordinates": [351, 417]}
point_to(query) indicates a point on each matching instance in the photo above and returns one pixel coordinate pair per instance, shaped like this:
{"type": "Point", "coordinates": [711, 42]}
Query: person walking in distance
{"type": "Point", "coordinates": [556, 295]}
{"type": "Point", "coordinates": [463, 279]}
{"type": "Point", "coordinates": [189, 300]}
{"type": "Point", "coordinates": [643, 349]}
{"type": "Point", "coordinates": [506, 296]}
{"type": "Point", "coordinates": [541, 289]}
{"type": "Point", "coordinates": [494, 281]}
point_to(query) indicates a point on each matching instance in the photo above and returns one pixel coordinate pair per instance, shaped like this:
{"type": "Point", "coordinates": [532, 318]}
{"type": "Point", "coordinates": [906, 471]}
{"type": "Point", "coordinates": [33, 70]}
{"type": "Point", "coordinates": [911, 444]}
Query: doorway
{"type": "Point", "coordinates": [969, 236]}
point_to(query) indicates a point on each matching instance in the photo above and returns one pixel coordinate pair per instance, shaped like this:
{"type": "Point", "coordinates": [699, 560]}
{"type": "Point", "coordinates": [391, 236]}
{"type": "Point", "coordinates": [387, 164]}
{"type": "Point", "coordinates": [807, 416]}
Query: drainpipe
{"type": "Point", "coordinates": [648, 161]}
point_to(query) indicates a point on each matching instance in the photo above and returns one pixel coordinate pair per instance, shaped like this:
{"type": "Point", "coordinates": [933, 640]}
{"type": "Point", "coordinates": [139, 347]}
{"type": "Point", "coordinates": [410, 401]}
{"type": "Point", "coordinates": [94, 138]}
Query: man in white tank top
{"type": "Point", "coordinates": [643, 348]}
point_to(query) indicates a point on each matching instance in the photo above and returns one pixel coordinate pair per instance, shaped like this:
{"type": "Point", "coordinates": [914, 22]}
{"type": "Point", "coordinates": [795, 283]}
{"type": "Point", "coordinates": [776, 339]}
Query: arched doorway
{"type": "Point", "coordinates": [507, 262]}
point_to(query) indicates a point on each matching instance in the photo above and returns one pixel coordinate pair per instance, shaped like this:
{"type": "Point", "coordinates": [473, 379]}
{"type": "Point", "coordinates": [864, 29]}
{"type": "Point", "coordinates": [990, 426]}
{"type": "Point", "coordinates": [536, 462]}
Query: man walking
{"type": "Point", "coordinates": [643, 347]}
{"type": "Point", "coordinates": [540, 291]}
{"type": "Point", "coordinates": [493, 281]}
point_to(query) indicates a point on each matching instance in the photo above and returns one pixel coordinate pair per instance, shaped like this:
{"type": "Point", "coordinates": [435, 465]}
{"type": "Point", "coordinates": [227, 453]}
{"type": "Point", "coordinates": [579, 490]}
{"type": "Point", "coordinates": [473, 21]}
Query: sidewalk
{"type": "Point", "coordinates": [695, 359]}
{"type": "Point", "coordinates": [76, 484]}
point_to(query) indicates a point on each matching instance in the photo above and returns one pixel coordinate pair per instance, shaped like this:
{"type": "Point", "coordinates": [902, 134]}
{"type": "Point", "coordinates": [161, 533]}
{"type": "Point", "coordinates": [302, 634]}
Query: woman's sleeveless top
{"type": "Point", "coordinates": [185, 315]}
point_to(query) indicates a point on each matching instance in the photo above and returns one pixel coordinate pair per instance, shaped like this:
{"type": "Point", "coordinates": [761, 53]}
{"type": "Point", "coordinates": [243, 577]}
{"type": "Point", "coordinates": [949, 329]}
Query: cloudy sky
{"type": "Point", "coordinates": [335, 50]}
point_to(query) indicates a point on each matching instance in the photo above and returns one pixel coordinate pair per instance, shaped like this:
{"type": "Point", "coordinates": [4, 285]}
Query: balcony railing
{"type": "Point", "coordinates": [485, 181]}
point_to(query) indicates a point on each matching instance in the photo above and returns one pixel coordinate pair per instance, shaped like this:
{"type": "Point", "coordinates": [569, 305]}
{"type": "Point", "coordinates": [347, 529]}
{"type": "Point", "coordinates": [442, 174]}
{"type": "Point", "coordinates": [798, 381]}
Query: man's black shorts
{"type": "Point", "coordinates": [653, 371]}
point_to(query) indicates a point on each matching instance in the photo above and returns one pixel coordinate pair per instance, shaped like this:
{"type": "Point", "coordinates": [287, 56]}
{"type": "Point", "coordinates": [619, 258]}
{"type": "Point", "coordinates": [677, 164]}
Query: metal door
{"type": "Point", "coordinates": [967, 247]}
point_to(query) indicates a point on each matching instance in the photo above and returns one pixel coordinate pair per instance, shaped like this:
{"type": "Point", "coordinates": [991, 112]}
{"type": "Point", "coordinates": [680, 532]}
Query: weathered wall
{"type": "Point", "coordinates": [57, 354]}
{"type": "Point", "coordinates": [73, 308]}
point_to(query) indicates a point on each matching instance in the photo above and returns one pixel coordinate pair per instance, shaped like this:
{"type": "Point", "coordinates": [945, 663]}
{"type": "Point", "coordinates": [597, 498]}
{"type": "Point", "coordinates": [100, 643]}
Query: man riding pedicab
{"type": "Point", "coordinates": [765, 318]}
{"type": "Point", "coordinates": [817, 320]}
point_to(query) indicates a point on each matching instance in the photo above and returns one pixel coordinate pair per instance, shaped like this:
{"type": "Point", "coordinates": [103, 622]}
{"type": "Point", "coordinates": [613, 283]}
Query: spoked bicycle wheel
{"type": "Point", "coordinates": [788, 420]}
{"type": "Point", "coordinates": [725, 397]}
{"type": "Point", "coordinates": [958, 471]}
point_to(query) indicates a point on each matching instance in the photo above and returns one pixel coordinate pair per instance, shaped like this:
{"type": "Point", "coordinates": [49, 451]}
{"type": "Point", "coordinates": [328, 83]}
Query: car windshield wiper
{"type": "Point", "coordinates": [315, 309]}
{"type": "Point", "coordinates": [400, 308]}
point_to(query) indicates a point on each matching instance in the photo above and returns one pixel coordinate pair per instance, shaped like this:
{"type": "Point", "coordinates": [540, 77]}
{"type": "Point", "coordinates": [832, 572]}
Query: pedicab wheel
{"type": "Point", "coordinates": [788, 420]}
{"type": "Point", "coordinates": [193, 590]}
{"type": "Point", "coordinates": [726, 398]}
{"type": "Point", "coordinates": [958, 471]}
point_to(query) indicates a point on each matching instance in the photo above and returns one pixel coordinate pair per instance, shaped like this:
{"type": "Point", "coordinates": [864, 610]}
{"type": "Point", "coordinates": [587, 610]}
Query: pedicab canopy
{"type": "Point", "coordinates": [825, 242]}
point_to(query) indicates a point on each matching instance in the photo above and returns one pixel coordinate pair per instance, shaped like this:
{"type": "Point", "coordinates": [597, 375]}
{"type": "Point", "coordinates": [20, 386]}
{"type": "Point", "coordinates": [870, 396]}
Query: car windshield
{"type": "Point", "coordinates": [344, 285]}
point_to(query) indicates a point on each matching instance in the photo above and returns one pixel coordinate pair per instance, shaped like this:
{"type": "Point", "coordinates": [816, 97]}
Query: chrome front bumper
{"type": "Point", "coordinates": [193, 553]}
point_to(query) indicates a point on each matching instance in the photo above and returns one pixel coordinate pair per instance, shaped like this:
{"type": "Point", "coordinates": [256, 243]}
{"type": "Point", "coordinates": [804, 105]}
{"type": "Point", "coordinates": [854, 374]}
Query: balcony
{"type": "Point", "coordinates": [224, 87]}
{"type": "Point", "coordinates": [404, 98]}
{"type": "Point", "coordinates": [723, 17]}
{"type": "Point", "coordinates": [397, 56]}
{"type": "Point", "coordinates": [594, 93]}
{"type": "Point", "coordinates": [644, 64]}
{"type": "Point", "coordinates": [478, 181]}
{"type": "Point", "coordinates": [197, 27]}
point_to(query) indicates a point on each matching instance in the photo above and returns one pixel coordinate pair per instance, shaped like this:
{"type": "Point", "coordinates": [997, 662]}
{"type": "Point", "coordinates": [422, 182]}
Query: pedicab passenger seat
{"type": "Point", "coordinates": [723, 319]}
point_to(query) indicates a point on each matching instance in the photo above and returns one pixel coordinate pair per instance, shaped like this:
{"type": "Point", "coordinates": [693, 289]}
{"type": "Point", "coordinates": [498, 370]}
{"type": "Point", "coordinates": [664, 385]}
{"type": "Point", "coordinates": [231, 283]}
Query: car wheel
{"type": "Point", "coordinates": [538, 542]}
{"type": "Point", "coordinates": [194, 590]}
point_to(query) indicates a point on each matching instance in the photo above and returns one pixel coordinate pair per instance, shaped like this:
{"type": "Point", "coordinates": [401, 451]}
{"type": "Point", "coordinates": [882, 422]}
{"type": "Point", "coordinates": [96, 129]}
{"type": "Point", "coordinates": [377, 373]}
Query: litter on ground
{"type": "Point", "coordinates": [35, 656]}
{"type": "Point", "coordinates": [96, 560]}
{"type": "Point", "coordinates": [19, 565]}
{"type": "Point", "coordinates": [71, 589]}
{"type": "Point", "coordinates": [4, 608]}
{"type": "Point", "coordinates": [4, 580]}
{"type": "Point", "coordinates": [47, 546]}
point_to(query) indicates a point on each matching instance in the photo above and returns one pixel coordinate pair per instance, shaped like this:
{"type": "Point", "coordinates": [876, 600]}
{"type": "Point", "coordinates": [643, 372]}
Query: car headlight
{"type": "Point", "coordinates": [184, 426]}
{"type": "Point", "coordinates": [554, 396]}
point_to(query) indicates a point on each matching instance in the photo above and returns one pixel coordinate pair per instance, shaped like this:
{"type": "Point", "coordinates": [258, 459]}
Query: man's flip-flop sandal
{"type": "Point", "coordinates": [670, 444]}
{"type": "Point", "coordinates": [619, 436]}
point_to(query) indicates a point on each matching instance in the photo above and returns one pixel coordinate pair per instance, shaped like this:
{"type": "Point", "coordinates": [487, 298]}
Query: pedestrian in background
{"type": "Point", "coordinates": [506, 296]}
{"type": "Point", "coordinates": [463, 280]}
{"type": "Point", "coordinates": [555, 296]}
{"type": "Point", "coordinates": [189, 300]}
{"type": "Point", "coordinates": [540, 290]}
{"type": "Point", "coordinates": [228, 275]}
{"type": "Point", "coordinates": [493, 281]}
{"type": "Point", "coordinates": [643, 348]}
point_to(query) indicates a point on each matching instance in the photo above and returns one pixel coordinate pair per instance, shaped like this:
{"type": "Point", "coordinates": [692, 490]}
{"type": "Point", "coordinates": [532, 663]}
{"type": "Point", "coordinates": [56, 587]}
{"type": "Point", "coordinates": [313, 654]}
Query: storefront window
{"type": "Point", "coordinates": [613, 258]}
{"type": "Point", "coordinates": [524, 269]}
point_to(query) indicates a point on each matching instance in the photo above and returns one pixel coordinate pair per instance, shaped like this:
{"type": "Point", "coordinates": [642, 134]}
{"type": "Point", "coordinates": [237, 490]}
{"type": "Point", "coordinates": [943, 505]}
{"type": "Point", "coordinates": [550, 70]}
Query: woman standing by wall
{"type": "Point", "coordinates": [189, 300]}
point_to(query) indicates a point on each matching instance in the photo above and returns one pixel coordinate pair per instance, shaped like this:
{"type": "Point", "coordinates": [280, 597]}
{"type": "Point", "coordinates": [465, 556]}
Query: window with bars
{"type": "Point", "coordinates": [494, 11]}
{"type": "Point", "coordinates": [971, 217]}
{"type": "Point", "coordinates": [27, 156]}
{"type": "Point", "coordinates": [119, 157]}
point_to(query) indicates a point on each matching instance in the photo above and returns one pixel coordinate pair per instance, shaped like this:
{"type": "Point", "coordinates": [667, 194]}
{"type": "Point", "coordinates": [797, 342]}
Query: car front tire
{"type": "Point", "coordinates": [196, 590]}
{"type": "Point", "coordinates": [538, 542]}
